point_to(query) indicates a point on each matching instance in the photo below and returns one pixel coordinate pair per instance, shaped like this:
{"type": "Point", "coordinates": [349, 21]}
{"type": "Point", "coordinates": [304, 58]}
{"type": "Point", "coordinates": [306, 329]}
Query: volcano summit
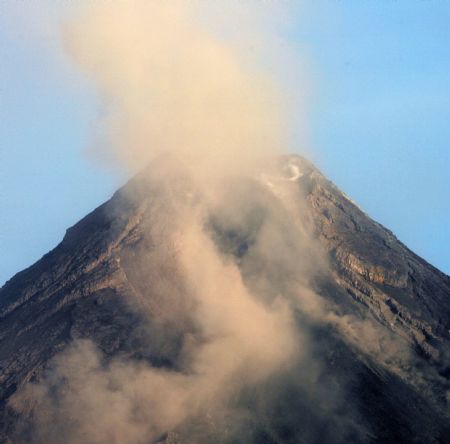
{"type": "Point", "coordinates": [266, 309]}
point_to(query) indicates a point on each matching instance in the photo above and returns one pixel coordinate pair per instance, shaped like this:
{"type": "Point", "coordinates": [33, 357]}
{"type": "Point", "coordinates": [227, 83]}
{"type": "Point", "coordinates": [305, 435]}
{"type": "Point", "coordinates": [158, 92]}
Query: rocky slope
{"type": "Point", "coordinates": [385, 348]}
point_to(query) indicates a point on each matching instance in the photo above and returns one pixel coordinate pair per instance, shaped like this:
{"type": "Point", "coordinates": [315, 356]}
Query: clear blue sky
{"type": "Point", "coordinates": [380, 120]}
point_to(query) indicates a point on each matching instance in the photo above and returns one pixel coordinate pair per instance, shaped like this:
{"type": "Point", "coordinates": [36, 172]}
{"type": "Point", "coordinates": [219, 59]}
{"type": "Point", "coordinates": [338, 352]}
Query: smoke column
{"type": "Point", "coordinates": [168, 85]}
{"type": "Point", "coordinates": [178, 98]}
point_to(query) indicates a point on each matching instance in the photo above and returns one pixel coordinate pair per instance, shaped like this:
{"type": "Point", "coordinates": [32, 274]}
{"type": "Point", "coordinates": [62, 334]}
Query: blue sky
{"type": "Point", "coordinates": [379, 118]}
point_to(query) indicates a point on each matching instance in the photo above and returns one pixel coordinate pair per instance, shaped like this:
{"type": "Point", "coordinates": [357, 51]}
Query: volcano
{"type": "Point", "coordinates": [374, 340]}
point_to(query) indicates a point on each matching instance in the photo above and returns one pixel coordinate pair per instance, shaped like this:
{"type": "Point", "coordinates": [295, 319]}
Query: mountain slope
{"type": "Point", "coordinates": [379, 362]}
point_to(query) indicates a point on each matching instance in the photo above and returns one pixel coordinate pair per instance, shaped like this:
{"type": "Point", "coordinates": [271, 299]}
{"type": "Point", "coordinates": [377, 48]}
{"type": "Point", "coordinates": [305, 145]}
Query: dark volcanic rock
{"type": "Point", "coordinates": [91, 286]}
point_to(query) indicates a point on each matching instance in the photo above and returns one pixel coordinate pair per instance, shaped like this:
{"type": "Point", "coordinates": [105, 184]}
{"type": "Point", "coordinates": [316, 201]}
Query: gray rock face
{"type": "Point", "coordinates": [105, 283]}
{"type": "Point", "coordinates": [402, 290]}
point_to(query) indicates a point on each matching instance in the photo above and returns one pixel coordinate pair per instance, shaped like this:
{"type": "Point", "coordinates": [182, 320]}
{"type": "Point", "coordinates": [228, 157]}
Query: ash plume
{"type": "Point", "coordinates": [169, 85]}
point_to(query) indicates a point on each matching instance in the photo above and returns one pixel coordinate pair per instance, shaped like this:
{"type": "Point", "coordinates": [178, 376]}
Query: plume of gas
{"type": "Point", "coordinates": [168, 85]}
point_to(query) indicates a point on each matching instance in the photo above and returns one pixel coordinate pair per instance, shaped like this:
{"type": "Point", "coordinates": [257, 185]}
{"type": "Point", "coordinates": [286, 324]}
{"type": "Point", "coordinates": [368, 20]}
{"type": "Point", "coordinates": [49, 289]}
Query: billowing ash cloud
{"type": "Point", "coordinates": [237, 239]}
{"type": "Point", "coordinates": [171, 86]}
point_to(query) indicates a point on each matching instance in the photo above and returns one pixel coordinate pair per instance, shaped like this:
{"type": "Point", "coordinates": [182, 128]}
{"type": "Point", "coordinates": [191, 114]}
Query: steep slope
{"type": "Point", "coordinates": [379, 363]}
